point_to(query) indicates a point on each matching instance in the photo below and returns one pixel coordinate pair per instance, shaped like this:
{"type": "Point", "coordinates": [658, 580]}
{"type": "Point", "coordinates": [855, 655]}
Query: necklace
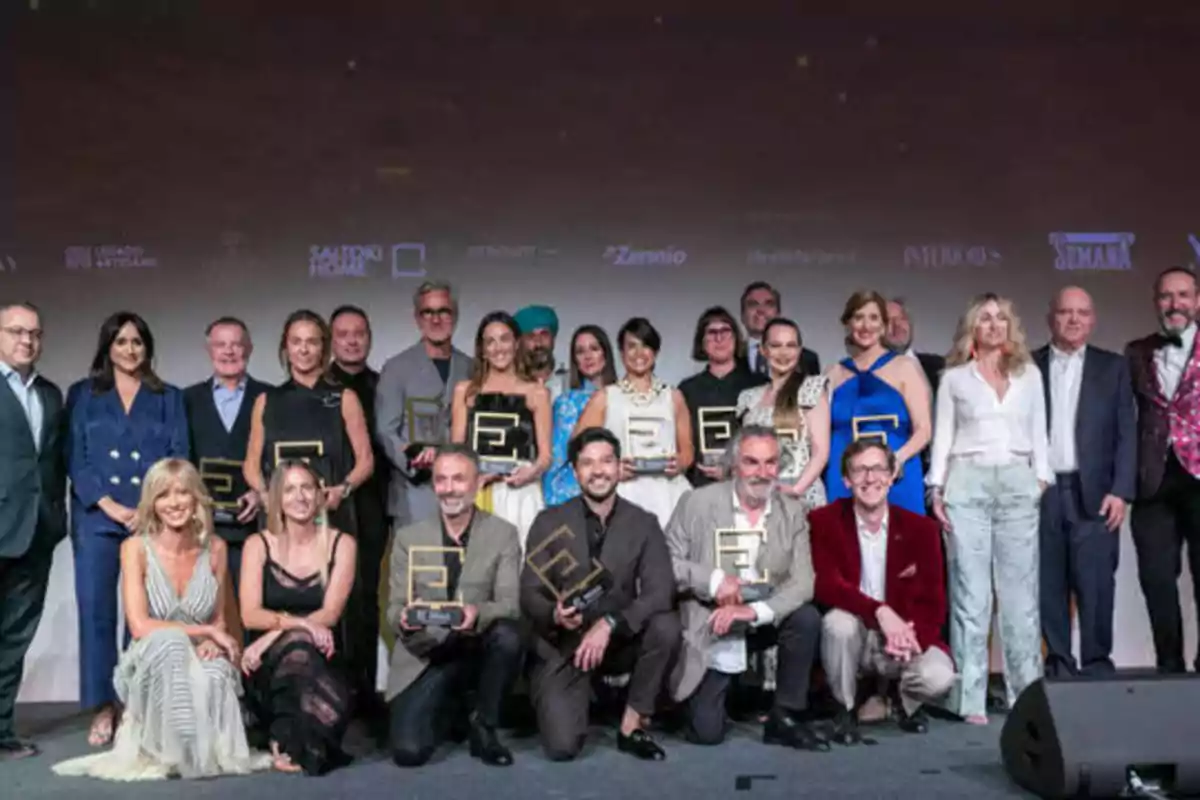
{"type": "Point", "coordinates": [637, 396]}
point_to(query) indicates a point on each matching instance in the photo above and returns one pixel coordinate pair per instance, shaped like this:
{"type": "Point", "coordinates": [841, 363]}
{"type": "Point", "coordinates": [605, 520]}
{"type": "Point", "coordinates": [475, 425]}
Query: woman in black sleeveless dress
{"type": "Point", "coordinates": [312, 419]}
{"type": "Point", "coordinates": [296, 579]}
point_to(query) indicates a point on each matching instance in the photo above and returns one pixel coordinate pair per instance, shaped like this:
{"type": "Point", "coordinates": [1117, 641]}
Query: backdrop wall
{"type": "Point", "coordinates": [609, 165]}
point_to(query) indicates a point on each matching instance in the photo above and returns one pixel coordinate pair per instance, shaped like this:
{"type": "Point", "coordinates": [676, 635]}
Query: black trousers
{"type": "Point", "coordinates": [797, 637]}
{"type": "Point", "coordinates": [1079, 557]}
{"type": "Point", "coordinates": [1161, 526]}
{"type": "Point", "coordinates": [362, 628]}
{"type": "Point", "coordinates": [562, 693]}
{"type": "Point", "coordinates": [427, 711]}
{"type": "Point", "coordinates": [22, 597]}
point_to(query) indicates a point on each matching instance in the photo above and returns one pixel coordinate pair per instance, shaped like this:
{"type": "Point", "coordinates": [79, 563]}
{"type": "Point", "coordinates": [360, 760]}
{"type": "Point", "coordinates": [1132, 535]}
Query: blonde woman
{"type": "Point", "coordinates": [178, 680]}
{"type": "Point", "coordinates": [296, 577]}
{"type": "Point", "coordinates": [499, 384]}
{"type": "Point", "coordinates": [988, 469]}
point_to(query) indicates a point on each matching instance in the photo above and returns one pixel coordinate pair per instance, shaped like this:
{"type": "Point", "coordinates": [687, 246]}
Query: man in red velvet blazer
{"type": "Point", "coordinates": [879, 571]}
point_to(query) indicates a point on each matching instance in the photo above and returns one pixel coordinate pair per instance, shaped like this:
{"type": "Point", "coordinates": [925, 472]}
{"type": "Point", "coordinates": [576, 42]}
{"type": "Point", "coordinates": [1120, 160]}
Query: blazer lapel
{"type": "Point", "coordinates": [853, 549]}
{"type": "Point", "coordinates": [14, 406]}
{"type": "Point", "coordinates": [1089, 378]}
{"type": "Point", "coordinates": [51, 408]}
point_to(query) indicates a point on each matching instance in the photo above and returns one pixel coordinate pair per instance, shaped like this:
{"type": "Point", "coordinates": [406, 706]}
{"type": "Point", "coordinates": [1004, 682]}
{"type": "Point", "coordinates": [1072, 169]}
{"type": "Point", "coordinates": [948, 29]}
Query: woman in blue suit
{"type": "Point", "coordinates": [123, 420]}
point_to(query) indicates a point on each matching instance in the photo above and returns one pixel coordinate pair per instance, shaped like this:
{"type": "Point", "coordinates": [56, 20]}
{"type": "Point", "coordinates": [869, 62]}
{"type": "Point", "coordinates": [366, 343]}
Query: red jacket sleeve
{"type": "Point", "coordinates": [834, 587]}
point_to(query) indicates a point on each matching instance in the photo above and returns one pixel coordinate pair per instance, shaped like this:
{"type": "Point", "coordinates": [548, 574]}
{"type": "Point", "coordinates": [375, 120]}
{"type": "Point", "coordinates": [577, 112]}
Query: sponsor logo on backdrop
{"type": "Point", "coordinates": [1108, 251]}
{"type": "Point", "coordinates": [108, 256]}
{"type": "Point", "coordinates": [343, 260]}
{"type": "Point", "coordinates": [408, 260]}
{"type": "Point", "coordinates": [365, 260]}
{"type": "Point", "coordinates": [509, 252]}
{"type": "Point", "coordinates": [803, 257]}
{"type": "Point", "coordinates": [622, 255]}
{"type": "Point", "coordinates": [948, 255]}
{"type": "Point", "coordinates": [1195, 243]}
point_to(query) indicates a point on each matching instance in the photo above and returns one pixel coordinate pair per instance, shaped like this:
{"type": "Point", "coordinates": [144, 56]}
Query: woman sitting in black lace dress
{"type": "Point", "coordinates": [296, 576]}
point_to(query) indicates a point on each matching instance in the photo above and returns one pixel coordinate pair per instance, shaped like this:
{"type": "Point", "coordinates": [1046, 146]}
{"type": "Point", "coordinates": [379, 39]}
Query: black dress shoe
{"type": "Point", "coordinates": [781, 728]}
{"type": "Point", "coordinates": [485, 745]}
{"type": "Point", "coordinates": [916, 722]}
{"type": "Point", "coordinates": [845, 729]}
{"type": "Point", "coordinates": [14, 749]}
{"type": "Point", "coordinates": [640, 744]}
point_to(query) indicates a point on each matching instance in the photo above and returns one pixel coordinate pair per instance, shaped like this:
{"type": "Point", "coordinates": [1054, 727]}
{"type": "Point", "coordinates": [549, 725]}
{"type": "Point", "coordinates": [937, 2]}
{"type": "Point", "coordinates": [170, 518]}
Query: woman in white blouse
{"type": "Point", "coordinates": [988, 469]}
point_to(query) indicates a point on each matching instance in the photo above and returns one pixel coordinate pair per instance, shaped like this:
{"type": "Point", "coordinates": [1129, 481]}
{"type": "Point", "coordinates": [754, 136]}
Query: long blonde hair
{"type": "Point", "coordinates": [276, 523]}
{"type": "Point", "coordinates": [158, 481]}
{"type": "Point", "coordinates": [1016, 353]}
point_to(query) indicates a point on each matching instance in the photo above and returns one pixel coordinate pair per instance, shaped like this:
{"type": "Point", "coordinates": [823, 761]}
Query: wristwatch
{"type": "Point", "coordinates": [347, 488]}
{"type": "Point", "coordinates": [611, 619]}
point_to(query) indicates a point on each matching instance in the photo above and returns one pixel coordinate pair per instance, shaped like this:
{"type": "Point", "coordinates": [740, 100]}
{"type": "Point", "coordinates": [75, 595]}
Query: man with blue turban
{"type": "Point", "coordinates": [539, 327]}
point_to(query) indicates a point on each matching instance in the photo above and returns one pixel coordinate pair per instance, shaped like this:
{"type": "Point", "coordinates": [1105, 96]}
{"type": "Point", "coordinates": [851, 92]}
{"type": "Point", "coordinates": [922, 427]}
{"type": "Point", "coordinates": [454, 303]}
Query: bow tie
{"type": "Point", "coordinates": [1171, 339]}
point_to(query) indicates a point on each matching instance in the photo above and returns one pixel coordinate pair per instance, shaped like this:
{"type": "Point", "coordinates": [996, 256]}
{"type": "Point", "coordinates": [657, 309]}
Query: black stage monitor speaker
{"type": "Point", "coordinates": [1082, 737]}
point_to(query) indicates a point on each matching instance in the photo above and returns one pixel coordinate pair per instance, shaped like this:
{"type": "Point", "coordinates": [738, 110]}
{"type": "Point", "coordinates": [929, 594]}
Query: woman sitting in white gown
{"type": "Point", "coordinates": [177, 681]}
{"type": "Point", "coordinates": [651, 421]}
{"type": "Point", "coordinates": [500, 386]}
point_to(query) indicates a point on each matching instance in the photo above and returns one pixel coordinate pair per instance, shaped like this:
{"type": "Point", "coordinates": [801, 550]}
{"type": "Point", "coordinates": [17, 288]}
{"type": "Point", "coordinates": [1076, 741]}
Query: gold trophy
{"type": "Point", "coordinates": [429, 604]}
{"type": "Point", "coordinates": [560, 572]}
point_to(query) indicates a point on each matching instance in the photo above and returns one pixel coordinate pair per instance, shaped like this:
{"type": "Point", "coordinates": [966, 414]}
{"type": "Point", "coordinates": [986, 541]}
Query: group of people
{"type": "Point", "coordinates": [263, 536]}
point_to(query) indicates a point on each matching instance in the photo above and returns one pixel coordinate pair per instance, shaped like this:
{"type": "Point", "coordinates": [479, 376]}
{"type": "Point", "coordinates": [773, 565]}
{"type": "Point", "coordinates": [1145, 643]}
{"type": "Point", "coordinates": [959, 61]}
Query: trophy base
{"type": "Point", "coordinates": [224, 517]}
{"type": "Point", "coordinates": [713, 459]}
{"type": "Point", "coordinates": [585, 598]}
{"type": "Point", "coordinates": [433, 617]}
{"type": "Point", "coordinates": [487, 467]}
{"type": "Point", "coordinates": [755, 592]}
{"type": "Point", "coordinates": [650, 466]}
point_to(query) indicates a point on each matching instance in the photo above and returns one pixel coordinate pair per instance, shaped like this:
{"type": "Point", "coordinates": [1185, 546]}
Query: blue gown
{"type": "Point", "coordinates": [866, 395]}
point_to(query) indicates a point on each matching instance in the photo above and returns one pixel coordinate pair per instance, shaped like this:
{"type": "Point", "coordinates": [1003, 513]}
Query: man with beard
{"type": "Point", "coordinates": [350, 331]}
{"type": "Point", "coordinates": [879, 572]}
{"type": "Point", "coordinates": [631, 627]}
{"type": "Point", "coordinates": [434, 668]}
{"type": "Point", "coordinates": [1165, 369]}
{"type": "Point", "coordinates": [539, 327]}
{"type": "Point", "coordinates": [414, 391]}
{"type": "Point", "coordinates": [720, 627]}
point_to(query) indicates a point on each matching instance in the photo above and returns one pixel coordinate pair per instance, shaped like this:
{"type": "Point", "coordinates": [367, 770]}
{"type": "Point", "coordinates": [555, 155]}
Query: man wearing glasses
{"type": "Point", "coordinates": [412, 403]}
{"type": "Point", "coordinates": [879, 571]}
{"type": "Point", "coordinates": [33, 520]}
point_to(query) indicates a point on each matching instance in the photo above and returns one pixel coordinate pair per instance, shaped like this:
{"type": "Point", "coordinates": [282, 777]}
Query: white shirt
{"type": "Point", "coordinates": [1066, 376]}
{"type": "Point", "coordinates": [972, 422]}
{"type": "Point", "coordinates": [30, 401]}
{"type": "Point", "coordinates": [1170, 362]}
{"type": "Point", "coordinates": [728, 654]}
{"type": "Point", "coordinates": [873, 546]}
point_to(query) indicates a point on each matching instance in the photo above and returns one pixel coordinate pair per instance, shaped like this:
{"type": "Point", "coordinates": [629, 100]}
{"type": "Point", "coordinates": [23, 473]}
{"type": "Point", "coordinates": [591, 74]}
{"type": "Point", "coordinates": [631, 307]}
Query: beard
{"type": "Point", "coordinates": [1164, 321]}
{"type": "Point", "coordinates": [539, 359]}
{"type": "Point", "coordinates": [599, 491]}
{"type": "Point", "coordinates": [452, 505]}
{"type": "Point", "coordinates": [758, 488]}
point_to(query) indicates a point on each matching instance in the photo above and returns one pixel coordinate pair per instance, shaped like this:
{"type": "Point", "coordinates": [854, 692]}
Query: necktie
{"type": "Point", "coordinates": [760, 361]}
{"type": "Point", "coordinates": [1171, 340]}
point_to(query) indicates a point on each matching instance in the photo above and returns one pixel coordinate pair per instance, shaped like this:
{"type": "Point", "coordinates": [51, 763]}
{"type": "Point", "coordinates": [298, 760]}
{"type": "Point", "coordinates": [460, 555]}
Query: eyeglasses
{"type": "Point", "coordinates": [431, 313]}
{"type": "Point", "coordinates": [34, 334]}
{"type": "Point", "coordinates": [719, 333]}
{"type": "Point", "coordinates": [878, 470]}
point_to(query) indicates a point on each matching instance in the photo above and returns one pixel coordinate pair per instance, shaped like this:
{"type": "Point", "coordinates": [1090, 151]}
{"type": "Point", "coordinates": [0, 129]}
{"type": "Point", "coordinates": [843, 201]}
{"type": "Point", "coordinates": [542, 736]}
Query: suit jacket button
{"type": "Point", "coordinates": [114, 454]}
{"type": "Point", "coordinates": [114, 480]}
{"type": "Point", "coordinates": [135, 455]}
{"type": "Point", "coordinates": [136, 481]}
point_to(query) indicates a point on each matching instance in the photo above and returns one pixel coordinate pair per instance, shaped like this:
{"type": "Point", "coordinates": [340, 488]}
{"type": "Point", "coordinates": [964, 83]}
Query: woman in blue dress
{"type": "Point", "coordinates": [877, 393]}
{"type": "Point", "coordinates": [123, 420]}
{"type": "Point", "coordinates": [591, 369]}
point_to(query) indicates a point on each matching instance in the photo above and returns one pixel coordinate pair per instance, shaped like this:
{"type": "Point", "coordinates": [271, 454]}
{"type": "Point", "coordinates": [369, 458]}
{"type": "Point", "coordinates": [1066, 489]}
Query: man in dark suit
{"type": "Point", "coordinates": [760, 304]}
{"type": "Point", "coordinates": [899, 339]}
{"type": "Point", "coordinates": [879, 572]}
{"type": "Point", "coordinates": [1093, 455]}
{"type": "Point", "coordinates": [1165, 370]}
{"type": "Point", "coordinates": [351, 335]}
{"type": "Point", "coordinates": [33, 517]}
{"type": "Point", "coordinates": [218, 412]}
{"type": "Point", "coordinates": [633, 627]}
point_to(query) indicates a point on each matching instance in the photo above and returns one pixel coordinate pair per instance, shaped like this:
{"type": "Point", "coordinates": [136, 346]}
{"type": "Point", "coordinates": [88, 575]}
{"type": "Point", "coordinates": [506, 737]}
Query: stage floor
{"type": "Point", "coordinates": [952, 761]}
